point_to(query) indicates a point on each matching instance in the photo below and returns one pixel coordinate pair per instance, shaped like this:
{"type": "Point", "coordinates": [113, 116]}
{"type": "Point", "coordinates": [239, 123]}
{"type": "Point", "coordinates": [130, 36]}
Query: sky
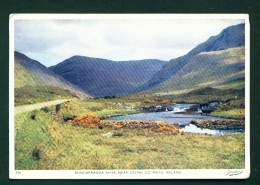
{"type": "Point", "coordinates": [51, 41]}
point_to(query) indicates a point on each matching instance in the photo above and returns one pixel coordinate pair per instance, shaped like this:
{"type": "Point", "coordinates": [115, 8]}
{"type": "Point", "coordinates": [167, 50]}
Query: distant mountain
{"type": "Point", "coordinates": [101, 77]}
{"type": "Point", "coordinates": [31, 72]}
{"type": "Point", "coordinates": [230, 37]}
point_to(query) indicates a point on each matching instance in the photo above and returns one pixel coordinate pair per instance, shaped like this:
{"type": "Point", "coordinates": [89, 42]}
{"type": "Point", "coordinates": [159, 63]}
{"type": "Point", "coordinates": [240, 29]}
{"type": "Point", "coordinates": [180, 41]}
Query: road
{"type": "Point", "coordinates": [27, 108]}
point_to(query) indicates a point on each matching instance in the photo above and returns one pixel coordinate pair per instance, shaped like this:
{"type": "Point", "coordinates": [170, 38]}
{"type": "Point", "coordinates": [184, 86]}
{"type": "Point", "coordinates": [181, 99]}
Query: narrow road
{"type": "Point", "coordinates": [27, 108]}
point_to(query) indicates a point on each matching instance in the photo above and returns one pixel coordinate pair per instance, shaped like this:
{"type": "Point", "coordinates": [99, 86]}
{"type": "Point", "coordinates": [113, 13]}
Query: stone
{"type": "Point", "coordinates": [109, 134]}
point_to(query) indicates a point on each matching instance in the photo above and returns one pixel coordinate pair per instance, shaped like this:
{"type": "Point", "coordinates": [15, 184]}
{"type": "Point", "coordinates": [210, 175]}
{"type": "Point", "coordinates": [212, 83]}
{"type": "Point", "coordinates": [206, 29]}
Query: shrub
{"type": "Point", "coordinates": [45, 109]}
{"type": "Point", "coordinates": [33, 115]}
{"type": "Point", "coordinates": [87, 120]}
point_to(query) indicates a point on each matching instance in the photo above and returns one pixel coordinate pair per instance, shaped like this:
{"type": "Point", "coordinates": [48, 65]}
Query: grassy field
{"type": "Point", "coordinates": [41, 143]}
{"type": "Point", "coordinates": [103, 108]}
{"type": "Point", "coordinates": [40, 93]}
{"type": "Point", "coordinates": [48, 141]}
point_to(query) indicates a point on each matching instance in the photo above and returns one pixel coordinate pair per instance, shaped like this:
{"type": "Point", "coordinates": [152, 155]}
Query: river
{"type": "Point", "coordinates": [183, 120]}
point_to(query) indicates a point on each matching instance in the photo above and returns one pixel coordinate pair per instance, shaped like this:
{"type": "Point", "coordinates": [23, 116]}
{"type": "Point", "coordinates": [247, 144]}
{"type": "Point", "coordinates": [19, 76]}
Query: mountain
{"type": "Point", "coordinates": [24, 77]}
{"type": "Point", "coordinates": [101, 77]}
{"type": "Point", "coordinates": [31, 72]}
{"type": "Point", "coordinates": [212, 68]}
{"type": "Point", "coordinates": [217, 61]}
{"type": "Point", "coordinates": [230, 37]}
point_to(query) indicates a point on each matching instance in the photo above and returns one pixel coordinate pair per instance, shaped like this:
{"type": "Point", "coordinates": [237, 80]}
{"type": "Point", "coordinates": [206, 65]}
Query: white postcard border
{"type": "Point", "coordinates": [128, 174]}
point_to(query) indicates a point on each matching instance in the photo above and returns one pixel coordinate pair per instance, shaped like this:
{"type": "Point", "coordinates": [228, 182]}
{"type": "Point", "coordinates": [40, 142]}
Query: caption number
{"type": "Point", "coordinates": [18, 172]}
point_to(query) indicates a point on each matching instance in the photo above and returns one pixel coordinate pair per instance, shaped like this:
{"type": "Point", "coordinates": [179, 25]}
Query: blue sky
{"type": "Point", "coordinates": [51, 41]}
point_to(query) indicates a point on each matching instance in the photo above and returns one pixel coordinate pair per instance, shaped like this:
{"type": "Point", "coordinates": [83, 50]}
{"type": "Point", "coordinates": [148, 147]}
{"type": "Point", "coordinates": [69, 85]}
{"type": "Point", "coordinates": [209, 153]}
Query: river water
{"type": "Point", "coordinates": [175, 116]}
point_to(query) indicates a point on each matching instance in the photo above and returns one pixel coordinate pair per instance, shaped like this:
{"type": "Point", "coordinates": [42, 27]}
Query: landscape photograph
{"type": "Point", "coordinates": [100, 93]}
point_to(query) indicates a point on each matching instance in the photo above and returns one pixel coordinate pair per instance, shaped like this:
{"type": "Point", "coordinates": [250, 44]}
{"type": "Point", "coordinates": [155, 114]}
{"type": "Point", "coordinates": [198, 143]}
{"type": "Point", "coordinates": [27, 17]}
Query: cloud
{"type": "Point", "coordinates": [52, 41]}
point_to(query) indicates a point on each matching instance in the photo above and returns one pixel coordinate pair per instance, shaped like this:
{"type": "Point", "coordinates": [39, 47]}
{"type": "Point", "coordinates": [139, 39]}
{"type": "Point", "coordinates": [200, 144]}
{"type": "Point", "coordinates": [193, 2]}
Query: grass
{"type": "Point", "coordinates": [200, 71]}
{"type": "Point", "coordinates": [230, 114]}
{"type": "Point", "coordinates": [205, 95]}
{"type": "Point", "coordinates": [195, 95]}
{"type": "Point", "coordinates": [44, 144]}
{"type": "Point", "coordinates": [23, 77]}
{"type": "Point", "coordinates": [39, 93]}
{"type": "Point", "coordinates": [103, 108]}
{"type": "Point", "coordinates": [237, 84]}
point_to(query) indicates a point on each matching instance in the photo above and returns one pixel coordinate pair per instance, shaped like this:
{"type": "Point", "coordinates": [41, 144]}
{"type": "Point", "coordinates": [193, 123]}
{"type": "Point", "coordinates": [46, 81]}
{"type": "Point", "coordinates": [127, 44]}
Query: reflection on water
{"type": "Point", "coordinates": [181, 119]}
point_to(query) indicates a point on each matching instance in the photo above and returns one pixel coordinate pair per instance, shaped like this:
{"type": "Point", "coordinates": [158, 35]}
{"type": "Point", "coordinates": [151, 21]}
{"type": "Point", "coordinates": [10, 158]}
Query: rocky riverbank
{"type": "Point", "coordinates": [219, 124]}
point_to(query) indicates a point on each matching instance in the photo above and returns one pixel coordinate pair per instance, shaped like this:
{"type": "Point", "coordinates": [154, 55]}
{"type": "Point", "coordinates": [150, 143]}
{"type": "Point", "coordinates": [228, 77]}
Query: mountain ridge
{"type": "Point", "coordinates": [233, 36]}
{"type": "Point", "coordinates": [102, 77]}
{"type": "Point", "coordinates": [212, 68]}
{"type": "Point", "coordinates": [98, 77]}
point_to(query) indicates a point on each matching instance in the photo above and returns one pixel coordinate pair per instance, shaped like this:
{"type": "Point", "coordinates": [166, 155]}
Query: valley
{"type": "Point", "coordinates": [80, 133]}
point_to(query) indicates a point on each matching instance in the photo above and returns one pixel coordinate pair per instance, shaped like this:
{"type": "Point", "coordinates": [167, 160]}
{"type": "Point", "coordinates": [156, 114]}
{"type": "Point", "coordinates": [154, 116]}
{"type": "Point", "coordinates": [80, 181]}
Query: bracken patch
{"type": "Point", "coordinates": [87, 120]}
{"type": "Point", "coordinates": [168, 129]}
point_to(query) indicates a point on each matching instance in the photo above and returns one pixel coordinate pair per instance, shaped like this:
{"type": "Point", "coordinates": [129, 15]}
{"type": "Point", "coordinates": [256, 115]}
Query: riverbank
{"type": "Point", "coordinates": [188, 124]}
{"type": "Point", "coordinates": [219, 124]}
{"type": "Point", "coordinates": [122, 115]}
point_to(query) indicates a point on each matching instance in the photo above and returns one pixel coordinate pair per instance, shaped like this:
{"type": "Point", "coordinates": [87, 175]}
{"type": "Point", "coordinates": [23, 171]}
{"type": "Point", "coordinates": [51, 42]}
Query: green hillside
{"type": "Point", "coordinates": [231, 37]}
{"type": "Point", "coordinates": [31, 72]}
{"type": "Point", "coordinates": [216, 68]}
{"type": "Point", "coordinates": [24, 77]}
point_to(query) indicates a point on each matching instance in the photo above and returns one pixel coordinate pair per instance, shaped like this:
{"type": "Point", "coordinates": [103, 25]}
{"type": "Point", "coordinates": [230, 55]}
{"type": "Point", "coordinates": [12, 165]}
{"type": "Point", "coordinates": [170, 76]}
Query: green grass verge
{"type": "Point", "coordinates": [39, 93]}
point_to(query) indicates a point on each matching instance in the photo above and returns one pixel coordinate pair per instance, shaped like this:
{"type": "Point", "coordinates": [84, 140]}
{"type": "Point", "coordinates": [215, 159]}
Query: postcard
{"type": "Point", "coordinates": [129, 96]}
